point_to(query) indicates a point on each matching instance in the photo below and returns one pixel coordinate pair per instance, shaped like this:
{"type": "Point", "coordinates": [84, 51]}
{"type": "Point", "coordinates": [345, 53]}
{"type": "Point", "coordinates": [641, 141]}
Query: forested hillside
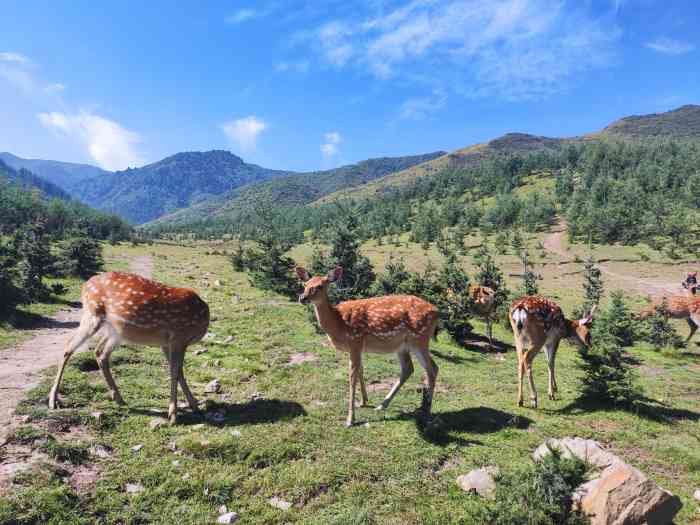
{"type": "Point", "coordinates": [143, 194]}
{"type": "Point", "coordinates": [294, 190]}
{"type": "Point", "coordinates": [66, 175]}
{"type": "Point", "coordinates": [29, 180]}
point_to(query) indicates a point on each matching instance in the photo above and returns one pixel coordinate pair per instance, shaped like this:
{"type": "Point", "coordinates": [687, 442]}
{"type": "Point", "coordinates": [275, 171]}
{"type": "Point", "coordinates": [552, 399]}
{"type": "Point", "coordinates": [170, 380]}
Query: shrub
{"type": "Point", "coordinates": [11, 294]}
{"type": "Point", "coordinates": [657, 329]}
{"type": "Point", "coordinates": [537, 493]}
{"type": "Point", "coordinates": [80, 256]}
{"type": "Point", "coordinates": [618, 320]}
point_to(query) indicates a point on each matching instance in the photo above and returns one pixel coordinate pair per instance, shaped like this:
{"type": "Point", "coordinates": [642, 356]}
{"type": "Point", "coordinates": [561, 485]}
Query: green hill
{"type": "Point", "coordinates": [65, 175]}
{"type": "Point", "coordinates": [28, 180]}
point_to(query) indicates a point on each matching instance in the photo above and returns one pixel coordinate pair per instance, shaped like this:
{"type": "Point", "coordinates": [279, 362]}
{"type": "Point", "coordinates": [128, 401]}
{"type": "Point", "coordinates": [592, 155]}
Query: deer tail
{"type": "Point", "coordinates": [519, 315]}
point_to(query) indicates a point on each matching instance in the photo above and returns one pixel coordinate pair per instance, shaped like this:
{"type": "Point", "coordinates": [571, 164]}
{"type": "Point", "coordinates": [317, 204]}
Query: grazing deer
{"type": "Point", "coordinates": [679, 307]}
{"type": "Point", "coordinates": [691, 283]}
{"type": "Point", "coordinates": [128, 307]}
{"type": "Point", "coordinates": [400, 324]}
{"type": "Point", "coordinates": [541, 322]}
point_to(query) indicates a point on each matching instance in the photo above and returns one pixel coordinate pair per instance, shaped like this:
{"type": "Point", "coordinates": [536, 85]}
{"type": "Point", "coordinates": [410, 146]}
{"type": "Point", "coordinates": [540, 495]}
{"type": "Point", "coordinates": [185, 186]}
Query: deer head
{"type": "Point", "coordinates": [580, 331]}
{"type": "Point", "coordinates": [316, 288]}
{"type": "Point", "coordinates": [691, 282]}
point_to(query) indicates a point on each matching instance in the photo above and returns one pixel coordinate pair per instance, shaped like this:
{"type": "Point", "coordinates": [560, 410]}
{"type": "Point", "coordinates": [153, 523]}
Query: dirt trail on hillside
{"type": "Point", "coordinates": [654, 287]}
{"type": "Point", "coordinates": [21, 365]}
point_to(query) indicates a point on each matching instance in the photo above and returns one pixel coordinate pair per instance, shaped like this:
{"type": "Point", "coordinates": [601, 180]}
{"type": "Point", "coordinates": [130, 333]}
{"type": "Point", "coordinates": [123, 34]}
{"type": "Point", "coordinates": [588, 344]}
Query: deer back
{"type": "Point", "coordinates": [143, 303]}
{"type": "Point", "coordinates": [388, 316]}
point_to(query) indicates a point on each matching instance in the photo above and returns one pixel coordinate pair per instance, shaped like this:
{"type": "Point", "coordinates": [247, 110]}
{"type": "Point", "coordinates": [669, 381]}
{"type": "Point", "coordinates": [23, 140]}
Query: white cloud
{"type": "Point", "coordinates": [331, 144]}
{"type": "Point", "coordinates": [56, 87]}
{"type": "Point", "coordinates": [669, 46]}
{"type": "Point", "coordinates": [301, 66]}
{"type": "Point", "coordinates": [421, 107]}
{"type": "Point", "coordinates": [241, 15]}
{"type": "Point", "coordinates": [244, 132]}
{"type": "Point", "coordinates": [512, 48]}
{"type": "Point", "coordinates": [9, 56]}
{"type": "Point", "coordinates": [107, 142]}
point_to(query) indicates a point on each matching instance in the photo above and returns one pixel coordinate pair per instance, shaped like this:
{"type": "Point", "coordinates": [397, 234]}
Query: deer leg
{"type": "Point", "coordinates": [110, 343]}
{"type": "Point", "coordinates": [693, 328]}
{"type": "Point", "coordinates": [531, 381]}
{"type": "Point", "coordinates": [174, 374]}
{"type": "Point", "coordinates": [89, 325]}
{"type": "Point", "coordinates": [406, 371]}
{"type": "Point", "coordinates": [551, 351]}
{"type": "Point", "coordinates": [431, 372]}
{"type": "Point", "coordinates": [521, 369]}
{"type": "Point", "coordinates": [191, 400]}
{"type": "Point", "coordinates": [363, 387]}
{"type": "Point", "coordinates": [355, 371]}
{"type": "Point", "coordinates": [489, 332]}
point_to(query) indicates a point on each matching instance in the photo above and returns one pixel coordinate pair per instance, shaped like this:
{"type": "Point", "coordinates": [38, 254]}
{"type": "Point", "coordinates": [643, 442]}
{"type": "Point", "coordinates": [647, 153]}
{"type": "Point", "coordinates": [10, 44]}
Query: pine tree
{"type": "Point", "coordinates": [80, 255]}
{"type": "Point", "coordinates": [32, 244]}
{"type": "Point", "coordinates": [11, 294]}
{"type": "Point", "coordinates": [592, 284]}
{"type": "Point", "coordinates": [530, 278]}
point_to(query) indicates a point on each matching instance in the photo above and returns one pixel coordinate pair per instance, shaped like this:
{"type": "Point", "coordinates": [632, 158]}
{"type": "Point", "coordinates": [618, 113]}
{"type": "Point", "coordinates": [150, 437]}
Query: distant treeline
{"type": "Point", "coordinates": [608, 191]}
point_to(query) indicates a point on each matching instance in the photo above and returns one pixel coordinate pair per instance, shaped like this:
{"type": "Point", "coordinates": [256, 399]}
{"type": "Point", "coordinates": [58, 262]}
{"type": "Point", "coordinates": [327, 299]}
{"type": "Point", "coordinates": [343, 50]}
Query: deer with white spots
{"type": "Point", "coordinates": [127, 307]}
{"type": "Point", "coordinates": [400, 324]}
{"type": "Point", "coordinates": [541, 322]}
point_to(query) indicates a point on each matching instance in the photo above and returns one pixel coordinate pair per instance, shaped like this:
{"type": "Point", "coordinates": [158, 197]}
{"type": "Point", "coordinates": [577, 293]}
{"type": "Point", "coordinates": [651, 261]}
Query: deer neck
{"type": "Point", "coordinates": [329, 319]}
{"type": "Point", "coordinates": [571, 327]}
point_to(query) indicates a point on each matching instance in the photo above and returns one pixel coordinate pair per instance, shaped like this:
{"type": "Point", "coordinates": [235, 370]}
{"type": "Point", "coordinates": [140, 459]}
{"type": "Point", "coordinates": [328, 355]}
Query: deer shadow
{"type": "Point", "coordinates": [476, 420]}
{"type": "Point", "coordinates": [643, 406]}
{"type": "Point", "coordinates": [255, 412]}
{"type": "Point", "coordinates": [480, 343]}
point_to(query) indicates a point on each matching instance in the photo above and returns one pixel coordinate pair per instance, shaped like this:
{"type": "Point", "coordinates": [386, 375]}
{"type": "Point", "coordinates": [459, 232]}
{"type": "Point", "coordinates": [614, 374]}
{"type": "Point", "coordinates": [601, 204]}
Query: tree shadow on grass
{"type": "Point", "coordinates": [476, 420]}
{"type": "Point", "coordinates": [255, 412]}
{"type": "Point", "coordinates": [644, 407]}
{"type": "Point", "coordinates": [452, 358]}
{"type": "Point", "coordinates": [21, 320]}
{"type": "Point", "coordinates": [480, 343]}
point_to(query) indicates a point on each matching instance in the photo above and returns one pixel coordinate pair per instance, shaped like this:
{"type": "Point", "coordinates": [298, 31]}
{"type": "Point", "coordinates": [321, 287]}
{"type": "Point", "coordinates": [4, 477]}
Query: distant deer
{"type": "Point", "coordinates": [400, 324]}
{"type": "Point", "coordinates": [678, 306]}
{"type": "Point", "coordinates": [541, 322]}
{"type": "Point", "coordinates": [126, 307]}
{"type": "Point", "coordinates": [483, 303]}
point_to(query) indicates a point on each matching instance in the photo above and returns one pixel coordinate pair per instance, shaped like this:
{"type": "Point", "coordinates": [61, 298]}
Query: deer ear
{"type": "Point", "coordinates": [589, 316]}
{"type": "Point", "coordinates": [335, 274]}
{"type": "Point", "coordinates": [302, 273]}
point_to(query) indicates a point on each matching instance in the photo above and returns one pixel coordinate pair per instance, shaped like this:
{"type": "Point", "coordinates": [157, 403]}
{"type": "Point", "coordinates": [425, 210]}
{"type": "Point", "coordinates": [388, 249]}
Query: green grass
{"type": "Point", "coordinates": [292, 442]}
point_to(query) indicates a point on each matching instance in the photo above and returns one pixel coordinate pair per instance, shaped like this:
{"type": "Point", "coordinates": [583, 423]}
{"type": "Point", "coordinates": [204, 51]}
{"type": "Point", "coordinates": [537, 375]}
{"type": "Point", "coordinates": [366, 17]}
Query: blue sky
{"type": "Point", "coordinates": [309, 85]}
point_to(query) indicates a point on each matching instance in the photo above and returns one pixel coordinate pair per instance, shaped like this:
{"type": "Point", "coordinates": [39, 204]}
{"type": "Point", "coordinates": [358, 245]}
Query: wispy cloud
{"type": "Point", "coordinates": [419, 108]}
{"type": "Point", "coordinates": [330, 147]}
{"type": "Point", "coordinates": [511, 48]}
{"type": "Point", "coordinates": [112, 146]}
{"type": "Point", "coordinates": [299, 66]}
{"type": "Point", "coordinates": [56, 87]}
{"type": "Point", "coordinates": [241, 16]}
{"type": "Point", "coordinates": [9, 56]}
{"type": "Point", "coordinates": [669, 46]}
{"type": "Point", "coordinates": [244, 132]}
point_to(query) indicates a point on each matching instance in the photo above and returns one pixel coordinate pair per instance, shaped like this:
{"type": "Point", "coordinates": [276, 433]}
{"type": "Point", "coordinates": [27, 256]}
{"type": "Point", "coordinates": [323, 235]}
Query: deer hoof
{"type": "Point", "coordinates": [552, 397]}
{"type": "Point", "coordinates": [520, 402]}
{"type": "Point", "coordinates": [533, 403]}
{"type": "Point", "coordinates": [53, 403]}
{"type": "Point", "coordinates": [349, 423]}
{"type": "Point", "coordinates": [380, 407]}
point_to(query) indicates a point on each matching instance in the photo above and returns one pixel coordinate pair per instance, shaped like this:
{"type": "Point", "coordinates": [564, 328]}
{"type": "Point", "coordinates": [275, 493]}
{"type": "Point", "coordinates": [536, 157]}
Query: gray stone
{"type": "Point", "coordinates": [157, 423]}
{"type": "Point", "coordinates": [229, 517]}
{"type": "Point", "coordinates": [279, 503]}
{"type": "Point", "coordinates": [100, 451]}
{"type": "Point", "coordinates": [213, 387]}
{"type": "Point", "coordinates": [480, 481]}
{"type": "Point", "coordinates": [134, 488]}
{"type": "Point", "coordinates": [136, 448]}
{"type": "Point", "coordinates": [586, 450]}
{"type": "Point", "coordinates": [697, 495]}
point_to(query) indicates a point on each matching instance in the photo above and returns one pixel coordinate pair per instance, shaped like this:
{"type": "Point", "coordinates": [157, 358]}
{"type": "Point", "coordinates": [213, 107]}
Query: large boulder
{"type": "Point", "coordinates": [621, 494]}
{"type": "Point", "coordinates": [480, 481]}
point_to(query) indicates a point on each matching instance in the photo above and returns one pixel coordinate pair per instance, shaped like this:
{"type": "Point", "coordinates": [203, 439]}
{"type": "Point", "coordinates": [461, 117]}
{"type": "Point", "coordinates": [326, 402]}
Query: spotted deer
{"type": "Point", "coordinates": [679, 306]}
{"type": "Point", "coordinates": [483, 303]}
{"type": "Point", "coordinates": [541, 322]}
{"type": "Point", "coordinates": [400, 324]}
{"type": "Point", "coordinates": [127, 307]}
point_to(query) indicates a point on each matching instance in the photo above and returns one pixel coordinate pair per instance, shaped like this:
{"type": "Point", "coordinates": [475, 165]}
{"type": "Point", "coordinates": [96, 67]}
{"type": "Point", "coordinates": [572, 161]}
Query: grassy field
{"type": "Point", "coordinates": [282, 433]}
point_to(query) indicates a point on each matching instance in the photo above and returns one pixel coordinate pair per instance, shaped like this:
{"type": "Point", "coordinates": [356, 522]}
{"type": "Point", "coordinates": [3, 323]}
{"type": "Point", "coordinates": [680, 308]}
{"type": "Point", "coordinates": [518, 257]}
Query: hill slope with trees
{"type": "Point", "coordinates": [65, 175]}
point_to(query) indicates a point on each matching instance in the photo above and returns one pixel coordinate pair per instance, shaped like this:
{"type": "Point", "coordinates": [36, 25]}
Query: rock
{"type": "Point", "coordinates": [586, 450]}
{"type": "Point", "coordinates": [229, 517]}
{"type": "Point", "coordinates": [228, 340]}
{"type": "Point", "coordinates": [217, 283]}
{"type": "Point", "coordinates": [136, 448]}
{"type": "Point", "coordinates": [134, 488]}
{"type": "Point", "coordinates": [223, 509]}
{"type": "Point", "coordinates": [279, 503]}
{"type": "Point", "coordinates": [100, 451]}
{"type": "Point", "coordinates": [213, 387]}
{"type": "Point", "coordinates": [480, 481]}
{"type": "Point", "coordinates": [97, 416]}
{"type": "Point", "coordinates": [624, 495]}
{"type": "Point", "coordinates": [621, 494]}
{"type": "Point", "coordinates": [236, 433]}
{"type": "Point", "coordinates": [200, 351]}
{"type": "Point", "coordinates": [697, 495]}
{"type": "Point", "coordinates": [157, 423]}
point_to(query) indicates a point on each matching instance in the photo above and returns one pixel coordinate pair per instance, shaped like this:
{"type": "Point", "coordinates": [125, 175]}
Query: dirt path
{"type": "Point", "coordinates": [554, 244]}
{"type": "Point", "coordinates": [21, 365]}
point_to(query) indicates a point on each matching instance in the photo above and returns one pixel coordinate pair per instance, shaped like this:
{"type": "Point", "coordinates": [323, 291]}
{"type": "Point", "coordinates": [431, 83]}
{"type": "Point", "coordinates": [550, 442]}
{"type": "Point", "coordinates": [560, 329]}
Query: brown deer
{"type": "Point", "coordinates": [127, 307]}
{"type": "Point", "coordinates": [679, 306]}
{"type": "Point", "coordinates": [483, 303]}
{"type": "Point", "coordinates": [541, 322]}
{"type": "Point", "coordinates": [400, 324]}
